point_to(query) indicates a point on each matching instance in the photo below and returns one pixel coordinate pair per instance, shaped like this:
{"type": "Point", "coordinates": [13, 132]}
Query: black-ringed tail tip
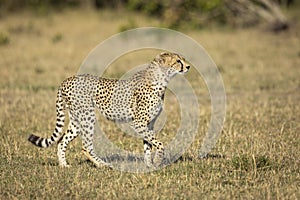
{"type": "Point", "coordinates": [43, 142]}
{"type": "Point", "coordinates": [35, 140]}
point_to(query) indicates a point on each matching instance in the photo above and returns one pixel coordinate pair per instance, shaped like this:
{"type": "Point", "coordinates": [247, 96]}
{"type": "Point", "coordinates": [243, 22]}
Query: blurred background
{"type": "Point", "coordinates": [38, 35]}
{"type": "Point", "coordinates": [175, 14]}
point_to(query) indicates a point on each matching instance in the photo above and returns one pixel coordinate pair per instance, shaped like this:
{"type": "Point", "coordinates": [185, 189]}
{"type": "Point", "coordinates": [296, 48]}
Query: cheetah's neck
{"type": "Point", "coordinates": [157, 75]}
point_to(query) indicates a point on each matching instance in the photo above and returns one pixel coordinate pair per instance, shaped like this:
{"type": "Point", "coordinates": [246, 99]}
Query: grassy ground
{"type": "Point", "coordinates": [258, 149]}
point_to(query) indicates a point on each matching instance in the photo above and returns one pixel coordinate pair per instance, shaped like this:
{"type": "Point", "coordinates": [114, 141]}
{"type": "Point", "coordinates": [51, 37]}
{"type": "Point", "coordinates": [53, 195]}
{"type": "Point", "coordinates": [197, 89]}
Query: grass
{"type": "Point", "coordinates": [256, 157]}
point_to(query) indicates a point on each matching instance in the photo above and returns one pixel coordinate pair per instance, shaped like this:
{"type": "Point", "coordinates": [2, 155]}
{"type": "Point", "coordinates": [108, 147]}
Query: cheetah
{"type": "Point", "coordinates": [137, 100]}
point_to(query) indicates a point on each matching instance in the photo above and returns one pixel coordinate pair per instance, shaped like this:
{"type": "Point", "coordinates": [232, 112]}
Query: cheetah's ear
{"type": "Point", "coordinates": [161, 58]}
{"type": "Point", "coordinates": [164, 54]}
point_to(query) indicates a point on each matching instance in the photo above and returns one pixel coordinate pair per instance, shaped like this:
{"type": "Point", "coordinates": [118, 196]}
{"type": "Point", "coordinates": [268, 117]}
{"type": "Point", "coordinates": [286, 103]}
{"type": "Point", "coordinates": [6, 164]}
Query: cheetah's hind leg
{"type": "Point", "coordinates": [98, 162]}
{"type": "Point", "coordinates": [147, 146]}
{"type": "Point", "coordinates": [71, 133]}
{"type": "Point", "coordinates": [88, 128]}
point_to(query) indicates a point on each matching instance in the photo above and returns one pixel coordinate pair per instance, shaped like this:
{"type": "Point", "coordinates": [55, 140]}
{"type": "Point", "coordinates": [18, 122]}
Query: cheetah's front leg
{"type": "Point", "coordinates": [147, 153]}
{"type": "Point", "coordinates": [159, 154]}
{"type": "Point", "coordinates": [149, 142]}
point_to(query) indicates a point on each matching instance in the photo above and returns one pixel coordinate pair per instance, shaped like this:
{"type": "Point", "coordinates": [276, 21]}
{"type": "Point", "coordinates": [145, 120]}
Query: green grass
{"type": "Point", "coordinates": [256, 157]}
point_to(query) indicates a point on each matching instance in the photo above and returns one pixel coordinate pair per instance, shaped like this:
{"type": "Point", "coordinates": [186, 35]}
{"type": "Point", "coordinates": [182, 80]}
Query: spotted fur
{"type": "Point", "coordinates": [137, 100]}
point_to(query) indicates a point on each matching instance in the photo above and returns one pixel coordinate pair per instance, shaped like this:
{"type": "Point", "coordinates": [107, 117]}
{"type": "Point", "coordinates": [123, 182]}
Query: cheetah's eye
{"type": "Point", "coordinates": [179, 61]}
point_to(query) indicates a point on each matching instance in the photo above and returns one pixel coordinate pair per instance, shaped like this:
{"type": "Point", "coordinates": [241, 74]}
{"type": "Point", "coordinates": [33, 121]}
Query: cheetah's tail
{"type": "Point", "coordinates": [60, 119]}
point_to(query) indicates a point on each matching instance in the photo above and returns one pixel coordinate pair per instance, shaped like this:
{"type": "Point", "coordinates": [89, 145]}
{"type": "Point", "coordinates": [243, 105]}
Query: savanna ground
{"type": "Point", "coordinates": [256, 157]}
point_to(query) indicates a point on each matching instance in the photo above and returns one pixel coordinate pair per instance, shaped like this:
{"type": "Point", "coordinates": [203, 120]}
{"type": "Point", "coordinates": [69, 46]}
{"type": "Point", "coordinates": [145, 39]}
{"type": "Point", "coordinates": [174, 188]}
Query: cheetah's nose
{"type": "Point", "coordinates": [188, 67]}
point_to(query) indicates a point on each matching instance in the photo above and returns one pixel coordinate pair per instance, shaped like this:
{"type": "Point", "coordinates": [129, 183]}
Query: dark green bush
{"type": "Point", "coordinates": [15, 5]}
{"type": "Point", "coordinates": [195, 13]}
{"type": "Point", "coordinates": [4, 39]}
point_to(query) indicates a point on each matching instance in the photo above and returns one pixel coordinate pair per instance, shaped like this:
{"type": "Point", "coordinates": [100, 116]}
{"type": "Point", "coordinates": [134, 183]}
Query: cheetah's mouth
{"type": "Point", "coordinates": [183, 71]}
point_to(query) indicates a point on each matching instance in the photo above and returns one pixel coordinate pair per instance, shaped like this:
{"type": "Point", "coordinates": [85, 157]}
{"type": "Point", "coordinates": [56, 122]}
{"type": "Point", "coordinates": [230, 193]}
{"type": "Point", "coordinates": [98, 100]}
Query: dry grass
{"type": "Point", "coordinates": [258, 150]}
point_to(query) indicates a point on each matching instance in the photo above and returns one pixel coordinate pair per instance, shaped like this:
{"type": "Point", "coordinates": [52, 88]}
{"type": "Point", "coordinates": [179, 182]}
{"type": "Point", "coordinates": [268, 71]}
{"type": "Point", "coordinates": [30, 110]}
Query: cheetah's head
{"type": "Point", "coordinates": [172, 63]}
